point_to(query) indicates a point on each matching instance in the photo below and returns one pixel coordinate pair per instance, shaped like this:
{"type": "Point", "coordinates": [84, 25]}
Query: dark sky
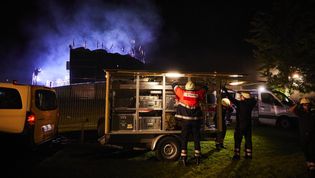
{"type": "Point", "coordinates": [209, 35]}
{"type": "Point", "coordinates": [191, 35]}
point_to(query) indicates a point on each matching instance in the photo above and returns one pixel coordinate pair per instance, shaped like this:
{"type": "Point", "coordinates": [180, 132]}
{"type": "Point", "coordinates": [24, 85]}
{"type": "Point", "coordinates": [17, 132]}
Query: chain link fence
{"type": "Point", "coordinates": [80, 106]}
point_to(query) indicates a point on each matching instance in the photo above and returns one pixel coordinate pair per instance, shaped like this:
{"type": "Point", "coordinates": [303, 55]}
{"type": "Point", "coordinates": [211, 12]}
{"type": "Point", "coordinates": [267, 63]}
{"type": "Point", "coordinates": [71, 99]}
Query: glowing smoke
{"type": "Point", "coordinates": [116, 28]}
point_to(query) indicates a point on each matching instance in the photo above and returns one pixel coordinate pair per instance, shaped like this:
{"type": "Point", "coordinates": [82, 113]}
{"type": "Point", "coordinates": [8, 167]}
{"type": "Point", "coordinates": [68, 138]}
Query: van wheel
{"type": "Point", "coordinates": [284, 122]}
{"type": "Point", "coordinates": [101, 127]}
{"type": "Point", "coordinates": [168, 149]}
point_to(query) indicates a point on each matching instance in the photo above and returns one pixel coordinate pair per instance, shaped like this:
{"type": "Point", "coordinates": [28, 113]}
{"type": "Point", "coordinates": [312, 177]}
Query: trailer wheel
{"type": "Point", "coordinates": [168, 149]}
{"type": "Point", "coordinates": [284, 122]}
{"type": "Point", "coordinates": [100, 127]}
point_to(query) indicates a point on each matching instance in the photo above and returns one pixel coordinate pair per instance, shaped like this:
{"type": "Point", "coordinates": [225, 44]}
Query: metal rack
{"type": "Point", "coordinates": [140, 108]}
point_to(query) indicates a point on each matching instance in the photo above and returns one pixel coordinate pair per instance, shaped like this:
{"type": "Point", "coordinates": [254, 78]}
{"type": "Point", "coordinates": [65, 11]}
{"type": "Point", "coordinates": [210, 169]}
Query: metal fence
{"type": "Point", "coordinates": [80, 105]}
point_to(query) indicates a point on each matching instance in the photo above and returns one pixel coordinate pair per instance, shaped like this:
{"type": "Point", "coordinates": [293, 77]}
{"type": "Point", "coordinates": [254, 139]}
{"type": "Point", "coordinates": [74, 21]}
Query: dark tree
{"type": "Point", "coordinates": [284, 40]}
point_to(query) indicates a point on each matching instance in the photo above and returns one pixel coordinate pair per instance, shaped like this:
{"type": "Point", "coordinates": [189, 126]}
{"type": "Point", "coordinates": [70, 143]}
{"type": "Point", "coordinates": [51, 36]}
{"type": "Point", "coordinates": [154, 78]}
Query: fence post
{"type": "Point", "coordinates": [82, 129]}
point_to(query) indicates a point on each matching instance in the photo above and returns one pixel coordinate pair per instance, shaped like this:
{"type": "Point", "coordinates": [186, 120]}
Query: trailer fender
{"type": "Point", "coordinates": [156, 140]}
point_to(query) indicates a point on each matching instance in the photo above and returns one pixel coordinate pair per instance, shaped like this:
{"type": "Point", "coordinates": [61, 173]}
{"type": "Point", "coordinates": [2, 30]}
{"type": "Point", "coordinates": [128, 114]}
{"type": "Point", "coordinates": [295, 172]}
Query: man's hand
{"type": "Point", "coordinates": [205, 87]}
{"type": "Point", "coordinates": [174, 84]}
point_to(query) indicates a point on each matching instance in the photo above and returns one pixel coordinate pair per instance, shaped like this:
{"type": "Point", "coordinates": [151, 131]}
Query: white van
{"type": "Point", "coordinates": [28, 112]}
{"type": "Point", "coordinates": [272, 108]}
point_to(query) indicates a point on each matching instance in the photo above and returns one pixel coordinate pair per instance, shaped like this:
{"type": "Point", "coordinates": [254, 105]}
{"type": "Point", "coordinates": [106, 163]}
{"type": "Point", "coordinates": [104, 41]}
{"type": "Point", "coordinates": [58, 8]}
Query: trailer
{"type": "Point", "coordinates": [140, 107]}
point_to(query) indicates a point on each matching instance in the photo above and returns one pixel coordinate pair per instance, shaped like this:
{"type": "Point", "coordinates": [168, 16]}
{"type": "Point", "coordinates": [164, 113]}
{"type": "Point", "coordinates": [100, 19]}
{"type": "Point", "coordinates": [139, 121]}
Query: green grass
{"type": "Point", "coordinates": [276, 153]}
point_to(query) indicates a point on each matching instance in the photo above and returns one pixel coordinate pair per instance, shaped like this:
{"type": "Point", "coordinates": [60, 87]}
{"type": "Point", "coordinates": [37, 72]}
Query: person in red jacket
{"type": "Point", "coordinates": [190, 114]}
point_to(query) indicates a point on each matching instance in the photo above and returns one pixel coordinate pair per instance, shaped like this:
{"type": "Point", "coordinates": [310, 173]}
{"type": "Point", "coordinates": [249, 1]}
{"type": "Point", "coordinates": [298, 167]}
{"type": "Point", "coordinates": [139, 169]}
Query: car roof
{"type": "Point", "coordinates": [13, 85]}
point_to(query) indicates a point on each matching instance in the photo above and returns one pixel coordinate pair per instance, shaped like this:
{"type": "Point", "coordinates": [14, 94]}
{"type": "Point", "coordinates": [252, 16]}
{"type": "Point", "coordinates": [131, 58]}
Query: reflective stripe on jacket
{"type": "Point", "coordinates": [188, 107]}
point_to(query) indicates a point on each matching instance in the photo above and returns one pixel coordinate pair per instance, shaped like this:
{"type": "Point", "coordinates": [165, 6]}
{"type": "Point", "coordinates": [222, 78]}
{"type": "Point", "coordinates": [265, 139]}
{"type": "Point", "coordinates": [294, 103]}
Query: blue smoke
{"type": "Point", "coordinates": [118, 28]}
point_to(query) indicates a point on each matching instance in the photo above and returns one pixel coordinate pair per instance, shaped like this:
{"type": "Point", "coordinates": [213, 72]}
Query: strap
{"type": "Point", "coordinates": [187, 106]}
{"type": "Point", "coordinates": [186, 117]}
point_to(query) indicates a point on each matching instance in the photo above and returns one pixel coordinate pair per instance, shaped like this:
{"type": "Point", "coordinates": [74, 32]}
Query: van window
{"type": "Point", "coordinates": [10, 98]}
{"type": "Point", "coordinates": [284, 99]}
{"type": "Point", "coordinates": [45, 100]}
{"type": "Point", "coordinates": [269, 99]}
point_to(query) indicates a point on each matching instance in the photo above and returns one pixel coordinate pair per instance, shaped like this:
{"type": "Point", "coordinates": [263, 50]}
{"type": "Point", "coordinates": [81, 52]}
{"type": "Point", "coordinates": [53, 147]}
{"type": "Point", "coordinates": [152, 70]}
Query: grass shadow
{"type": "Point", "coordinates": [209, 153]}
{"type": "Point", "coordinates": [236, 168]}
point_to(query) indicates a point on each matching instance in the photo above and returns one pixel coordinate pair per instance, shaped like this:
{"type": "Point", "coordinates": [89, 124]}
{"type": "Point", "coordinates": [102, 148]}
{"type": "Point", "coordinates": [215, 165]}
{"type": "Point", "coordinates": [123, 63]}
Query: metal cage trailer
{"type": "Point", "coordinates": [140, 109]}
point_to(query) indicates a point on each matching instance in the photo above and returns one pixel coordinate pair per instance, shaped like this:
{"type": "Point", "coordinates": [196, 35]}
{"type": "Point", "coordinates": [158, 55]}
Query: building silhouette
{"type": "Point", "coordinates": [88, 65]}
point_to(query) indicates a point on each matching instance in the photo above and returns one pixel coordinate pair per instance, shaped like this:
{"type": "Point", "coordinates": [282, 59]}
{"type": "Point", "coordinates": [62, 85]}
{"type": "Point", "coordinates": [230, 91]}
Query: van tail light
{"type": "Point", "coordinates": [30, 118]}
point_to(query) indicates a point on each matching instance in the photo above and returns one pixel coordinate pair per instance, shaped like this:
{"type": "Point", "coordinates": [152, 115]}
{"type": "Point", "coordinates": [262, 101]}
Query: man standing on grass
{"type": "Point", "coordinates": [244, 108]}
{"type": "Point", "coordinates": [226, 110]}
{"type": "Point", "coordinates": [306, 116]}
{"type": "Point", "coordinates": [189, 111]}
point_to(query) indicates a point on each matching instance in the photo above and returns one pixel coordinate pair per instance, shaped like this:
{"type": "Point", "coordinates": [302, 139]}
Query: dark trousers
{"type": "Point", "coordinates": [308, 147]}
{"type": "Point", "coordinates": [189, 127]}
{"type": "Point", "coordinates": [238, 135]}
{"type": "Point", "coordinates": [221, 135]}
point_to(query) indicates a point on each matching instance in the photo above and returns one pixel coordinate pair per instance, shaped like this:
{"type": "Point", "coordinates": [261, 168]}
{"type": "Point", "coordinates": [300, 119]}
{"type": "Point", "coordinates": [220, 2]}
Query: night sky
{"type": "Point", "coordinates": [186, 35]}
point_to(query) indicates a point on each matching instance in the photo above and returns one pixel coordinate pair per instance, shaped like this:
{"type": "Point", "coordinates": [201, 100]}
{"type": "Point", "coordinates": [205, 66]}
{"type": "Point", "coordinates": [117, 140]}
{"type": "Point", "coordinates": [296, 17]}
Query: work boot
{"type": "Point", "coordinates": [183, 161]}
{"type": "Point", "coordinates": [183, 157]}
{"type": "Point", "coordinates": [236, 154]}
{"type": "Point", "coordinates": [236, 157]}
{"type": "Point", "coordinates": [310, 169]}
{"type": "Point", "coordinates": [222, 146]}
{"type": "Point", "coordinates": [217, 146]}
{"type": "Point", "coordinates": [311, 173]}
{"type": "Point", "coordinates": [248, 154]}
{"type": "Point", "coordinates": [197, 156]}
{"type": "Point", "coordinates": [198, 160]}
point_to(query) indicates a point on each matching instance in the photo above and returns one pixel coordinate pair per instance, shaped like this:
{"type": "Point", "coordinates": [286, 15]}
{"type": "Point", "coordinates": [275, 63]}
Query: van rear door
{"type": "Point", "coordinates": [44, 107]}
{"type": "Point", "coordinates": [13, 106]}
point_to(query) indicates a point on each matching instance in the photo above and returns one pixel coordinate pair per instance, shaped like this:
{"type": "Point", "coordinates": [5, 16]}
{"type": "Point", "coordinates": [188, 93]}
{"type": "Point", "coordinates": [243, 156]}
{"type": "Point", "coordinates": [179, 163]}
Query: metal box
{"type": "Point", "coordinates": [150, 123]}
{"type": "Point", "coordinates": [123, 122]}
{"type": "Point", "coordinates": [125, 102]}
{"type": "Point", "coordinates": [172, 123]}
{"type": "Point", "coordinates": [150, 102]}
{"type": "Point", "coordinates": [148, 97]}
{"type": "Point", "coordinates": [170, 102]}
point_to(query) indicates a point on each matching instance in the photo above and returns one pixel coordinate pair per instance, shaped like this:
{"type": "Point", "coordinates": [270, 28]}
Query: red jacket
{"type": "Point", "coordinates": [188, 103]}
{"type": "Point", "coordinates": [189, 99]}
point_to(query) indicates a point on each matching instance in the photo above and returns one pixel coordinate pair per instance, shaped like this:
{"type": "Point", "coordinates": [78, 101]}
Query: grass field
{"type": "Point", "coordinates": [276, 153]}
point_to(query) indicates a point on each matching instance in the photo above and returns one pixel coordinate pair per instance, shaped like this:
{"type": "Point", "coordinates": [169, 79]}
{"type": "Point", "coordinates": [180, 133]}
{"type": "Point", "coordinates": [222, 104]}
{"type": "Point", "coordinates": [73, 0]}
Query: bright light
{"type": "Point", "coordinates": [261, 88]}
{"type": "Point", "coordinates": [174, 75]}
{"type": "Point", "coordinates": [235, 83]}
{"type": "Point", "coordinates": [51, 77]}
{"type": "Point", "coordinates": [274, 71]}
{"type": "Point", "coordinates": [296, 76]}
{"type": "Point", "coordinates": [235, 76]}
{"type": "Point", "coordinates": [38, 79]}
